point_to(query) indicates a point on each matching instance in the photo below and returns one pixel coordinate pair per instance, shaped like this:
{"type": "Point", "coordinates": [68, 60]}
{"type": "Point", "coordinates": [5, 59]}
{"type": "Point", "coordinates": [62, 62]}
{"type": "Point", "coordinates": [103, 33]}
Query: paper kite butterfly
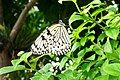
{"type": "Point", "coordinates": [54, 39]}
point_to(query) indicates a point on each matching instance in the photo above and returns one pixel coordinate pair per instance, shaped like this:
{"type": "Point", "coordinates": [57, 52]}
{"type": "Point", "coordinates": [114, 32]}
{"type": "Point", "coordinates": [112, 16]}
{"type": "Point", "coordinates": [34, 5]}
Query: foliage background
{"type": "Point", "coordinates": [94, 37]}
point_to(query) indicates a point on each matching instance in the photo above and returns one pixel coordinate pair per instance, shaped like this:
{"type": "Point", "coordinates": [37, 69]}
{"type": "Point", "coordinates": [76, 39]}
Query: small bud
{"type": "Point", "coordinates": [20, 53]}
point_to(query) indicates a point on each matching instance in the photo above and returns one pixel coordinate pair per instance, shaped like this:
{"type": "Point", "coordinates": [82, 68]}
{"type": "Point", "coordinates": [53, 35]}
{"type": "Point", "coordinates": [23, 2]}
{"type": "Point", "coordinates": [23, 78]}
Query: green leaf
{"type": "Point", "coordinates": [76, 16]}
{"type": "Point", "coordinates": [95, 2]}
{"type": "Point", "coordinates": [62, 63]}
{"type": "Point", "coordinates": [96, 12]}
{"type": "Point", "coordinates": [14, 62]}
{"type": "Point", "coordinates": [46, 68]}
{"type": "Point", "coordinates": [111, 9]}
{"type": "Point", "coordinates": [108, 47]}
{"type": "Point", "coordinates": [62, 76]}
{"type": "Point", "coordinates": [92, 73]}
{"type": "Point", "coordinates": [25, 56]}
{"type": "Point", "coordinates": [33, 66]}
{"type": "Point", "coordinates": [109, 16]}
{"type": "Point", "coordinates": [113, 69]}
{"type": "Point", "coordinates": [47, 75]}
{"type": "Point", "coordinates": [34, 62]}
{"type": "Point", "coordinates": [38, 77]}
{"type": "Point", "coordinates": [42, 76]}
{"type": "Point", "coordinates": [112, 32]}
{"type": "Point", "coordinates": [91, 32]}
{"type": "Point", "coordinates": [91, 57]}
{"type": "Point", "coordinates": [83, 41]}
{"type": "Point", "coordinates": [114, 44]}
{"type": "Point", "coordinates": [74, 66]}
{"type": "Point", "coordinates": [85, 66]}
{"type": "Point", "coordinates": [11, 69]}
{"type": "Point", "coordinates": [75, 46]}
{"type": "Point", "coordinates": [117, 53]}
{"type": "Point", "coordinates": [67, 75]}
{"type": "Point", "coordinates": [93, 25]}
{"type": "Point", "coordinates": [114, 77]}
{"type": "Point", "coordinates": [91, 37]}
{"type": "Point", "coordinates": [102, 67]}
{"type": "Point", "coordinates": [103, 77]}
{"type": "Point", "coordinates": [115, 22]}
{"type": "Point", "coordinates": [98, 51]}
{"type": "Point", "coordinates": [81, 53]}
{"type": "Point", "coordinates": [22, 58]}
{"type": "Point", "coordinates": [20, 67]}
{"type": "Point", "coordinates": [79, 29]}
{"type": "Point", "coordinates": [35, 59]}
{"type": "Point", "coordinates": [101, 37]}
{"type": "Point", "coordinates": [69, 53]}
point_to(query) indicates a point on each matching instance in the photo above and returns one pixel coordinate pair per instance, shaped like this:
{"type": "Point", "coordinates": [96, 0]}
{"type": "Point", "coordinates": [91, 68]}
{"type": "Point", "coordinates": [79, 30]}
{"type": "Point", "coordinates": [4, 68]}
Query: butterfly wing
{"type": "Point", "coordinates": [54, 40]}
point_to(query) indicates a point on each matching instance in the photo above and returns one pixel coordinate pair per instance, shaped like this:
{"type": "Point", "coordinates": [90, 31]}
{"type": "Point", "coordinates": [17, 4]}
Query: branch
{"type": "Point", "coordinates": [98, 46]}
{"type": "Point", "coordinates": [18, 24]}
{"type": "Point", "coordinates": [4, 59]}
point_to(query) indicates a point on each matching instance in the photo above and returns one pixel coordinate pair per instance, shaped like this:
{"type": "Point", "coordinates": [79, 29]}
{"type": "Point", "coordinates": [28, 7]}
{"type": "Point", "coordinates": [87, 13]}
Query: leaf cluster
{"type": "Point", "coordinates": [95, 53]}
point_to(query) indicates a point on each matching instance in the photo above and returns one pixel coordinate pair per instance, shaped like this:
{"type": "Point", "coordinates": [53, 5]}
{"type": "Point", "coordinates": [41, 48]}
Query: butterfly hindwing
{"type": "Point", "coordinates": [54, 40]}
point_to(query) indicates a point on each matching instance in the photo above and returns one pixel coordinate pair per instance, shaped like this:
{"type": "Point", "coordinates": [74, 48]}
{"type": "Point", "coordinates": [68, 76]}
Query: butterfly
{"type": "Point", "coordinates": [54, 39]}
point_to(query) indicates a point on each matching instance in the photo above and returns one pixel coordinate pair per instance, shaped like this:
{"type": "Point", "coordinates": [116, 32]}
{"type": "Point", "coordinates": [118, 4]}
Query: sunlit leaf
{"type": "Point", "coordinates": [111, 9]}
{"type": "Point", "coordinates": [62, 63]}
{"type": "Point", "coordinates": [24, 57]}
{"type": "Point", "coordinates": [117, 53]}
{"type": "Point", "coordinates": [14, 62]}
{"type": "Point", "coordinates": [95, 2]}
{"type": "Point", "coordinates": [62, 76]}
{"type": "Point", "coordinates": [113, 69]}
{"type": "Point", "coordinates": [34, 62]}
{"type": "Point", "coordinates": [81, 53]}
{"type": "Point", "coordinates": [91, 57]}
{"type": "Point", "coordinates": [108, 47]}
{"type": "Point", "coordinates": [83, 41]}
{"type": "Point", "coordinates": [69, 74]}
{"type": "Point", "coordinates": [87, 66]}
{"type": "Point", "coordinates": [110, 15]}
{"type": "Point", "coordinates": [114, 43]}
{"type": "Point", "coordinates": [35, 59]}
{"type": "Point", "coordinates": [42, 76]}
{"type": "Point", "coordinates": [76, 16]}
{"type": "Point", "coordinates": [101, 37]}
{"type": "Point", "coordinates": [46, 68]}
{"type": "Point", "coordinates": [11, 69]}
{"type": "Point", "coordinates": [112, 33]}
{"type": "Point", "coordinates": [96, 12]}
{"type": "Point", "coordinates": [75, 46]}
{"type": "Point", "coordinates": [91, 37]}
{"type": "Point", "coordinates": [103, 77]}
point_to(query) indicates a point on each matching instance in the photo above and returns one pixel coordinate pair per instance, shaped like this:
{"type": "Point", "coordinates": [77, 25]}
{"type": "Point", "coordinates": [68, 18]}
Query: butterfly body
{"type": "Point", "coordinates": [54, 40]}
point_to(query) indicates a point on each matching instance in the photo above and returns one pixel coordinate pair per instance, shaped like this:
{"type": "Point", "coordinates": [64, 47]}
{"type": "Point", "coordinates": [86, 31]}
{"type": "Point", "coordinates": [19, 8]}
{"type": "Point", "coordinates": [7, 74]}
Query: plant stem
{"type": "Point", "coordinates": [98, 46]}
{"type": "Point", "coordinates": [98, 24]}
{"type": "Point", "coordinates": [77, 7]}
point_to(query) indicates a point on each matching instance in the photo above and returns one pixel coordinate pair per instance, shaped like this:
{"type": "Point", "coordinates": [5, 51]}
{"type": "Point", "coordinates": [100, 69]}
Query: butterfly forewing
{"type": "Point", "coordinates": [54, 39]}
